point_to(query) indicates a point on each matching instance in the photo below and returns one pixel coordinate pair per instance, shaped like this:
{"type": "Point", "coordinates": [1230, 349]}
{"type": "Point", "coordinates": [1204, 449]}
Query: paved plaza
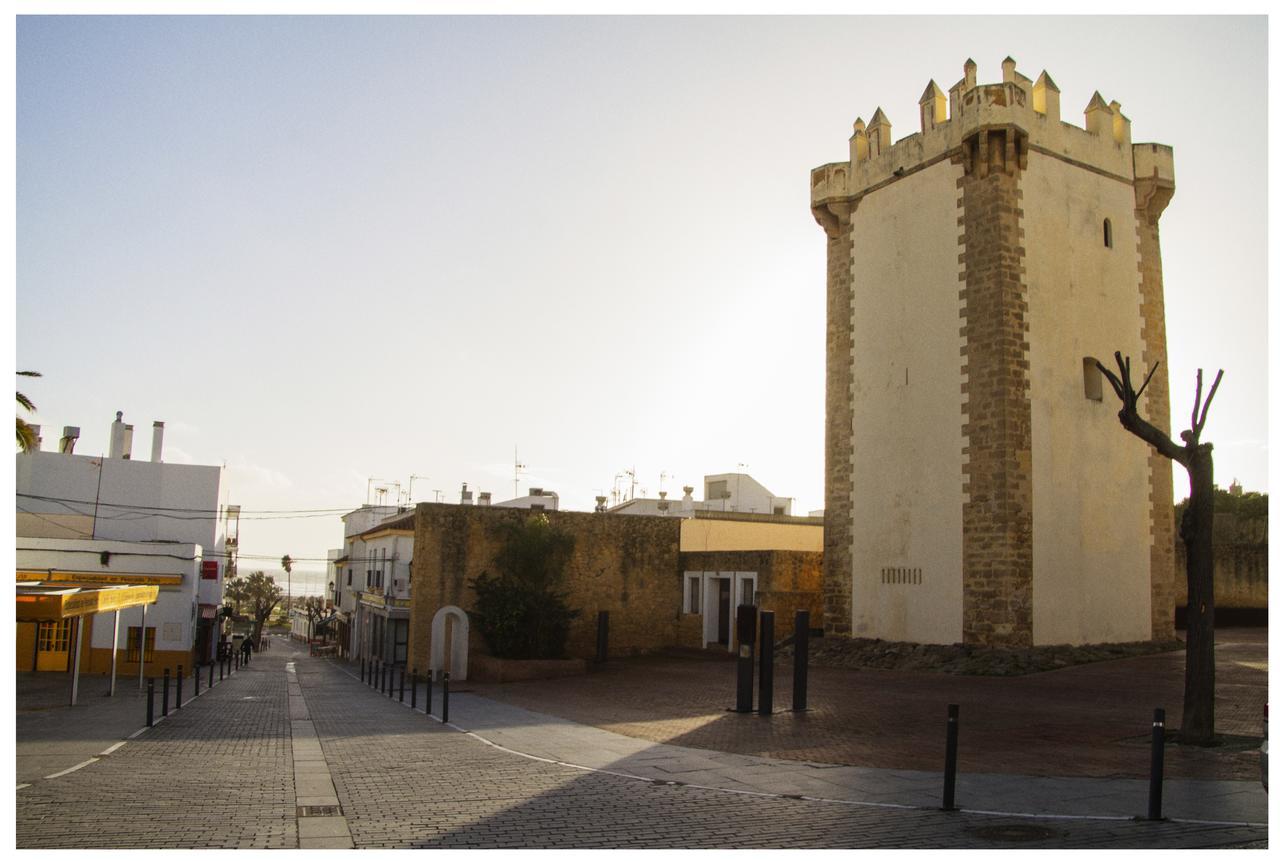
{"type": "Point", "coordinates": [295, 752]}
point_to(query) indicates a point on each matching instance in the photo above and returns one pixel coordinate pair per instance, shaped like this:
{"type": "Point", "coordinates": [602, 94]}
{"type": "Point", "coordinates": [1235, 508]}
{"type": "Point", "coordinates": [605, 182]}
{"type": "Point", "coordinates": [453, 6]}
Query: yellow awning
{"type": "Point", "coordinates": [49, 602]}
{"type": "Point", "coordinates": [123, 578]}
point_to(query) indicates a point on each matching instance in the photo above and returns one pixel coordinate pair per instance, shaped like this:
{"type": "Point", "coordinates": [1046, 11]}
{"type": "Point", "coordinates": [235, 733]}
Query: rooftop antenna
{"type": "Point", "coordinates": [632, 472]}
{"type": "Point", "coordinates": [519, 467]}
{"type": "Point", "coordinates": [368, 488]}
{"type": "Point", "coordinates": [662, 480]}
{"type": "Point", "coordinates": [439, 494]}
{"type": "Point", "coordinates": [411, 478]}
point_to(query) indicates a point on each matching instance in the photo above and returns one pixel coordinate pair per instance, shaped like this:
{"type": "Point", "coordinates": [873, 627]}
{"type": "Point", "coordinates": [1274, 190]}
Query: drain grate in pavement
{"type": "Point", "coordinates": [1014, 833]}
{"type": "Point", "coordinates": [320, 810]}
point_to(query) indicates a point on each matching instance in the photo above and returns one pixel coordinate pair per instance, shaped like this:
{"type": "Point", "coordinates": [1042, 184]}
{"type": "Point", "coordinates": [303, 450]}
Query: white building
{"type": "Point", "coordinates": [114, 520]}
{"type": "Point", "coordinates": [370, 576]}
{"type": "Point", "coordinates": [723, 492]}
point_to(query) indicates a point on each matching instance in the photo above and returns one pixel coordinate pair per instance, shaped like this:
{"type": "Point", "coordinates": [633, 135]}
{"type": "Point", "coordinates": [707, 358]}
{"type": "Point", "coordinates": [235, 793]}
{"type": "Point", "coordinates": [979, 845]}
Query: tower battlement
{"type": "Point", "coordinates": [993, 127]}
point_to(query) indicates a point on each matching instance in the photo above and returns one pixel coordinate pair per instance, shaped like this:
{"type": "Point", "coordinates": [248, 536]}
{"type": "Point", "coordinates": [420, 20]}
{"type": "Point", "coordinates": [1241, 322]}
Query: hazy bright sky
{"type": "Point", "coordinates": [325, 250]}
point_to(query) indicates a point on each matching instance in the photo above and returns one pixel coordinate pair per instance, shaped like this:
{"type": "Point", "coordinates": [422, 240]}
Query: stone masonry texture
{"type": "Point", "coordinates": [837, 571]}
{"type": "Point", "coordinates": [1151, 200]}
{"type": "Point", "coordinates": [627, 565]}
{"type": "Point", "coordinates": [997, 416]}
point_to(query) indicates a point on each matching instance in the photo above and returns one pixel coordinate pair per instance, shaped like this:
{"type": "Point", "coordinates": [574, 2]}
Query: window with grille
{"type": "Point", "coordinates": [53, 636]}
{"type": "Point", "coordinates": [132, 654]}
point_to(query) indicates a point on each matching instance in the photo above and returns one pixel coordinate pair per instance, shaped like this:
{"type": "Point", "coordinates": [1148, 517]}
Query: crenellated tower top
{"type": "Point", "coordinates": [1023, 115]}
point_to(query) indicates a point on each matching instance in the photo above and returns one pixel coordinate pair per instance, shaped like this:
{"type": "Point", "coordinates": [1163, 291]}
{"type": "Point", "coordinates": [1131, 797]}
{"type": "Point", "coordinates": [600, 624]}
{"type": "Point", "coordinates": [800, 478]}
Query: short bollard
{"type": "Point", "coordinates": [949, 773]}
{"type": "Point", "coordinates": [429, 677]}
{"type": "Point", "coordinates": [177, 701]}
{"type": "Point", "coordinates": [362, 671]}
{"type": "Point", "coordinates": [800, 673]}
{"type": "Point", "coordinates": [222, 666]}
{"type": "Point", "coordinates": [237, 658]}
{"type": "Point", "coordinates": [413, 690]}
{"type": "Point", "coordinates": [164, 697]}
{"type": "Point", "coordinates": [766, 662]}
{"type": "Point", "coordinates": [211, 674]}
{"type": "Point", "coordinates": [151, 702]}
{"type": "Point", "coordinates": [391, 682]}
{"type": "Point", "coordinates": [746, 656]}
{"type": "Point", "coordinates": [195, 677]}
{"type": "Point", "coordinates": [1156, 796]}
{"type": "Point", "coordinates": [385, 668]}
{"type": "Point", "coordinates": [402, 684]}
{"type": "Point", "coordinates": [444, 699]}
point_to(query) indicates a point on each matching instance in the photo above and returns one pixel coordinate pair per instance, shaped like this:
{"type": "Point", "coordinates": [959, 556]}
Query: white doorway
{"type": "Point", "coordinates": [722, 592]}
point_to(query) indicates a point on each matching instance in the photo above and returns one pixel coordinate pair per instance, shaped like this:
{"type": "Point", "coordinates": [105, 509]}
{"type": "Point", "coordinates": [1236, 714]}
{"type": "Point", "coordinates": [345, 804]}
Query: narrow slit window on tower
{"type": "Point", "coordinates": [1092, 380]}
{"type": "Point", "coordinates": [1106, 232]}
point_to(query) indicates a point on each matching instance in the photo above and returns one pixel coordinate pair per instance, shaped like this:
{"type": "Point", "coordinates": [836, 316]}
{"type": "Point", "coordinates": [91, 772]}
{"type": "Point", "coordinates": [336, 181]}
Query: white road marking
{"type": "Point", "coordinates": [71, 769]}
{"type": "Point", "coordinates": [112, 749]}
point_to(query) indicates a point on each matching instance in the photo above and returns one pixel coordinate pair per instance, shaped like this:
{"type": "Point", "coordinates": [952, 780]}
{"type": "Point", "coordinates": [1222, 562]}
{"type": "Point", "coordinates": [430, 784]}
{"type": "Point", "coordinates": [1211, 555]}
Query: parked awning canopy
{"type": "Point", "coordinates": [50, 602]}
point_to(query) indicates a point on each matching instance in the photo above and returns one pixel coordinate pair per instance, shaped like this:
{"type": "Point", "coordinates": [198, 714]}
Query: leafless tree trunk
{"type": "Point", "coordinates": [1197, 533]}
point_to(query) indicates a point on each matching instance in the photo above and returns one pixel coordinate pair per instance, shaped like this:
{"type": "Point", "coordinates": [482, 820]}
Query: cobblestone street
{"type": "Point", "coordinates": [221, 773]}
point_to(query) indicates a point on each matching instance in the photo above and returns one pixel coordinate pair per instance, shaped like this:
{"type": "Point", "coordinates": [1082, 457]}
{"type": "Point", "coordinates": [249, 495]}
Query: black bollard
{"type": "Point", "coordinates": [413, 690]}
{"type": "Point", "coordinates": [800, 674]}
{"type": "Point", "coordinates": [430, 674]}
{"type": "Point", "coordinates": [1156, 795]}
{"type": "Point", "coordinates": [384, 678]}
{"type": "Point", "coordinates": [391, 682]}
{"type": "Point", "coordinates": [746, 655]}
{"type": "Point", "coordinates": [949, 774]}
{"type": "Point", "coordinates": [402, 684]}
{"type": "Point", "coordinates": [195, 677]}
{"type": "Point", "coordinates": [444, 700]}
{"type": "Point", "coordinates": [236, 658]}
{"type": "Point", "coordinates": [766, 662]}
{"type": "Point", "coordinates": [222, 665]}
{"type": "Point", "coordinates": [177, 702]}
{"type": "Point", "coordinates": [164, 697]}
{"type": "Point", "coordinates": [211, 674]}
{"type": "Point", "coordinates": [362, 671]}
{"type": "Point", "coordinates": [151, 702]}
{"type": "Point", "coordinates": [602, 636]}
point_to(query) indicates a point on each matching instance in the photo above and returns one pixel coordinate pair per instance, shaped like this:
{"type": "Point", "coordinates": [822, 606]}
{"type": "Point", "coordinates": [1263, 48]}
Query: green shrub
{"type": "Point", "coordinates": [521, 612]}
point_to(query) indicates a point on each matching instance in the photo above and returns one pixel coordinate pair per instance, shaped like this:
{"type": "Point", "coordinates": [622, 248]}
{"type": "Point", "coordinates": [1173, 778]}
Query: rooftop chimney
{"type": "Point", "coordinates": [466, 494]}
{"type": "Point", "coordinates": [600, 503]}
{"type": "Point", "coordinates": [128, 443]}
{"type": "Point", "coordinates": [485, 497]}
{"type": "Point", "coordinates": [68, 442]}
{"type": "Point", "coordinates": [116, 448]}
{"type": "Point", "coordinates": [687, 501]}
{"type": "Point", "coordinates": [157, 440]}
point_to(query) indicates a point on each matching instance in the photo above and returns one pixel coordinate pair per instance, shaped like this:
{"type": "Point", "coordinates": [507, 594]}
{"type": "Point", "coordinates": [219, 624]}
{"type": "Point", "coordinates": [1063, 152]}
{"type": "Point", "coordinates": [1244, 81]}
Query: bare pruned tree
{"type": "Point", "coordinates": [1197, 533]}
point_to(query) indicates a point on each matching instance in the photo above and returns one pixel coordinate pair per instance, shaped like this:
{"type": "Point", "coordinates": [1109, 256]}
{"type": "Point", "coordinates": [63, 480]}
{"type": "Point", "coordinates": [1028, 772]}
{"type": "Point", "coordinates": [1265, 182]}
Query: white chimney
{"type": "Point", "coordinates": [128, 442]}
{"type": "Point", "coordinates": [68, 442]}
{"type": "Point", "coordinates": [686, 502]}
{"type": "Point", "coordinates": [157, 440]}
{"type": "Point", "coordinates": [485, 497]}
{"type": "Point", "coordinates": [466, 494]}
{"type": "Point", "coordinates": [535, 491]}
{"type": "Point", "coordinates": [117, 436]}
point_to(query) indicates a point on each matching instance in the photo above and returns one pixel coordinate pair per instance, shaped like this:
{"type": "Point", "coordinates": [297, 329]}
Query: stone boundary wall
{"type": "Point", "coordinates": [786, 581]}
{"type": "Point", "coordinates": [628, 565]}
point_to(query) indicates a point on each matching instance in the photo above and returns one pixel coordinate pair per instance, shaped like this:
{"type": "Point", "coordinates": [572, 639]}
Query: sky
{"type": "Point", "coordinates": [337, 252]}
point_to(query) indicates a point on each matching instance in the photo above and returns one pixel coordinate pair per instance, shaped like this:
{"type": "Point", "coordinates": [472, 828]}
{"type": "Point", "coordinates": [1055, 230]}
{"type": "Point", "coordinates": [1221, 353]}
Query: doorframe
{"type": "Point", "coordinates": [711, 602]}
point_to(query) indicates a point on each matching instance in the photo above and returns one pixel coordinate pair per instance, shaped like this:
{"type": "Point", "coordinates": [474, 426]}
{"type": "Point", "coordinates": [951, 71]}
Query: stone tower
{"type": "Point", "coordinates": [979, 488]}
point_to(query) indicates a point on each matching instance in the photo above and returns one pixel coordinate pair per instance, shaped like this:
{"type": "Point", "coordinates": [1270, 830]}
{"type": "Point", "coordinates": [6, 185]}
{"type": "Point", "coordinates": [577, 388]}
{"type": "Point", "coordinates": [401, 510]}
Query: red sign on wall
{"type": "Point", "coordinates": [209, 570]}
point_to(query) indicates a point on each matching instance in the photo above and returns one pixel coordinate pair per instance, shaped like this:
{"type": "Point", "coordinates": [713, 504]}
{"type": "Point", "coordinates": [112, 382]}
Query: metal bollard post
{"type": "Point", "coordinates": [444, 700]}
{"type": "Point", "coordinates": [211, 674]}
{"type": "Point", "coordinates": [195, 677]}
{"type": "Point", "coordinates": [391, 682]}
{"type": "Point", "coordinates": [222, 666]}
{"type": "Point", "coordinates": [766, 662]}
{"type": "Point", "coordinates": [800, 673]}
{"type": "Point", "coordinates": [746, 655]}
{"type": "Point", "coordinates": [402, 684]}
{"type": "Point", "coordinates": [362, 671]}
{"type": "Point", "coordinates": [177, 703]}
{"type": "Point", "coordinates": [237, 654]}
{"type": "Point", "coordinates": [164, 697]}
{"type": "Point", "coordinates": [429, 677]}
{"type": "Point", "coordinates": [151, 702]}
{"type": "Point", "coordinates": [1156, 794]}
{"type": "Point", "coordinates": [602, 636]}
{"type": "Point", "coordinates": [384, 678]}
{"type": "Point", "coordinates": [949, 774]}
{"type": "Point", "coordinates": [413, 690]}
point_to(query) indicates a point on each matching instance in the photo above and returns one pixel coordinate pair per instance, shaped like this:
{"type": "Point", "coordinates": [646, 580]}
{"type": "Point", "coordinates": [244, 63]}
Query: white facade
{"type": "Point", "coordinates": [728, 491]}
{"type": "Point", "coordinates": [115, 519]}
{"type": "Point", "coordinates": [537, 498]}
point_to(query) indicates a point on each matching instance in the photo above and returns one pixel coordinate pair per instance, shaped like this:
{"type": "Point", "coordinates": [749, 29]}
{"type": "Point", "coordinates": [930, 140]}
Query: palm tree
{"type": "Point", "coordinates": [26, 434]}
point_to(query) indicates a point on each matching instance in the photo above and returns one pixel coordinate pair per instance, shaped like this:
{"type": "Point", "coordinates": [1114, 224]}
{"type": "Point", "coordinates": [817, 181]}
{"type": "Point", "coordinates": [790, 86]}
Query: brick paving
{"type": "Point", "coordinates": [220, 774]}
{"type": "Point", "coordinates": [215, 774]}
{"type": "Point", "coordinates": [1091, 721]}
